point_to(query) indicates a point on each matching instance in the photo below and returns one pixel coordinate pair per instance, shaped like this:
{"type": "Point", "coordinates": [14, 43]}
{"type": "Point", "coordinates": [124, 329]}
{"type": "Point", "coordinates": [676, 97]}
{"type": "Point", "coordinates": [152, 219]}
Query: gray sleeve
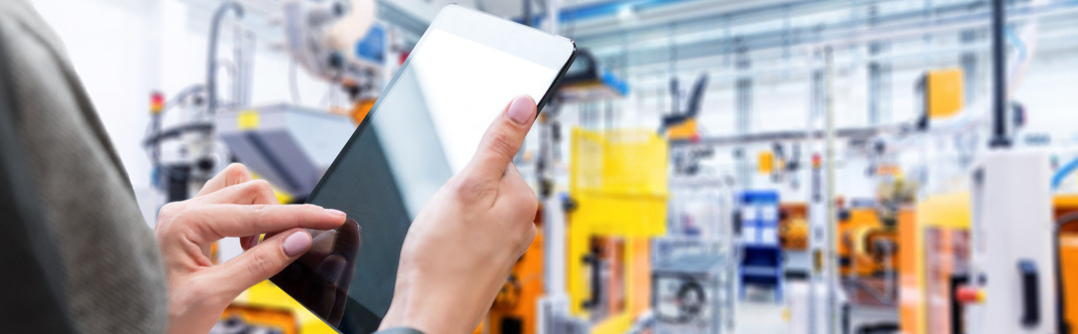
{"type": "Point", "coordinates": [34, 298]}
{"type": "Point", "coordinates": [399, 330]}
{"type": "Point", "coordinates": [112, 277]}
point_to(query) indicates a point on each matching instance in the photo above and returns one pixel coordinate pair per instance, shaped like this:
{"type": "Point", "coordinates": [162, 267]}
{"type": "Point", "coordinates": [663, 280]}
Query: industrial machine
{"type": "Point", "coordinates": [794, 239]}
{"type": "Point", "coordinates": [941, 93]}
{"type": "Point", "coordinates": [515, 308]}
{"type": "Point", "coordinates": [332, 40]}
{"type": "Point", "coordinates": [694, 271]}
{"type": "Point", "coordinates": [289, 146]}
{"type": "Point", "coordinates": [793, 229]}
{"type": "Point", "coordinates": [935, 276]}
{"type": "Point", "coordinates": [1007, 212]}
{"type": "Point", "coordinates": [865, 244]}
{"type": "Point", "coordinates": [1067, 241]}
{"type": "Point", "coordinates": [692, 289]}
{"type": "Point", "coordinates": [618, 187]}
{"type": "Point", "coordinates": [934, 263]}
{"type": "Point", "coordinates": [680, 124]}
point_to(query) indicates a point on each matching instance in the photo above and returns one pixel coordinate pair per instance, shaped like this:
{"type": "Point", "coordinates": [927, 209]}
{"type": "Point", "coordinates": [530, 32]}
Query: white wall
{"type": "Point", "coordinates": [123, 50]}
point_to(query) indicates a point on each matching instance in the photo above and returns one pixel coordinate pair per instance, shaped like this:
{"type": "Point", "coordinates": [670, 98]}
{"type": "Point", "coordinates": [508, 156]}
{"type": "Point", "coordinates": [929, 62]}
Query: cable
{"type": "Point", "coordinates": [211, 57]}
{"type": "Point", "coordinates": [1019, 46]}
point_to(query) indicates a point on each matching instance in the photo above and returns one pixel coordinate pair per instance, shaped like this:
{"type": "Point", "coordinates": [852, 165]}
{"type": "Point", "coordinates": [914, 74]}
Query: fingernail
{"type": "Point", "coordinates": [520, 111]}
{"type": "Point", "coordinates": [296, 244]}
{"type": "Point", "coordinates": [338, 213]}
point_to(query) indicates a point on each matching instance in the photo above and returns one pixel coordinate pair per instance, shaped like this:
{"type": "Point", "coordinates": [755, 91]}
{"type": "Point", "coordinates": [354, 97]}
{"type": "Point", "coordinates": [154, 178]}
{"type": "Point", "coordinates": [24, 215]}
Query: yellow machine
{"type": "Point", "coordinates": [618, 187]}
{"type": "Point", "coordinates": [267, 306]}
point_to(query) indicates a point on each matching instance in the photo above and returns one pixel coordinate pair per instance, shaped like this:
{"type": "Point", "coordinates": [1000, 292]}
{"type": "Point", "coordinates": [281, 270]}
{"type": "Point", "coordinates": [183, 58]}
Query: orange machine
{"type": "Point", "coordinates": [793, 228]}
{"type": "Point", "coordinates": [255, 319]}
{"type": "Point", "coordinates": [859, 234]}
{"type": "Point", "coordinates": [514, 309]}
{"type": "Point", "coordinates": [936, 238]}
{"type": "Point", "coordinates": [909, 297]}
{"type": "Point", "coordinates": [621, 269]}
{"type": "Point", "coordinates": [1068, 257]}
{"type": "Point", "coordinates": [946, 267]}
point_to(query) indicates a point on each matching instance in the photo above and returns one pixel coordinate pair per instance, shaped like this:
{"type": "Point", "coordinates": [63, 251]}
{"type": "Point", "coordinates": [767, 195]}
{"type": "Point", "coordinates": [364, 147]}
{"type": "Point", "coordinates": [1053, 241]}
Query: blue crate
{"type": "Point", "coordinates": [761, 263]}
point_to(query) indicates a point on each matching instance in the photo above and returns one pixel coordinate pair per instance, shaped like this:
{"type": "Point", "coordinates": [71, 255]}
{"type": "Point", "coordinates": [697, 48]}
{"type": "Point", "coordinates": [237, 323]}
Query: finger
{"type": "Point", "coordinates": [232, 175]}
{"type": "Point", "coordinates": [250, 192]}
{"type": "Point", "coordinates": [263, 261]}
{"type": "Point", "coordinates": [216, 221]}
{"type": "Point", "coordinates": [503, 139]}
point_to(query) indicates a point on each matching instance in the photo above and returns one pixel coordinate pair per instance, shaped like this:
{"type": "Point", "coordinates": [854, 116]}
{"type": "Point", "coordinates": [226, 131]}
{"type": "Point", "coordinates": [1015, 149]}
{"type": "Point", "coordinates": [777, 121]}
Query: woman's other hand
{"type": "Point", "coordinates": [229, 205]}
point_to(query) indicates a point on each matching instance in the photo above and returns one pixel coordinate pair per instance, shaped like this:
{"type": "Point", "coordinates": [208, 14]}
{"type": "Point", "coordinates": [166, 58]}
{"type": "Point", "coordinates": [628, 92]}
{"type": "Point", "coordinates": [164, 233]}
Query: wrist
{"type": "Point", "coordinates": [431, 310]}
{"type": "Point", "coordinates": [406, 311]}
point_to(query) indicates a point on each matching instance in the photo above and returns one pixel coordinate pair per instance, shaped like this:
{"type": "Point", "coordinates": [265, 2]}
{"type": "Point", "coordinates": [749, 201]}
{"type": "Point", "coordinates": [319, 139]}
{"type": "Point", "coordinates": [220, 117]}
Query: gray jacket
{"type": "Point", "coordinates": [112, 277]}
{"type": "Point", "coordinates": [75, 254]}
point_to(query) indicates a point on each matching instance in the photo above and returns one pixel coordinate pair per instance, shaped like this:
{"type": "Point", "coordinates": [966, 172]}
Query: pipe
{"type": "Point", "coordinates": [1067, 169]}
{"type": "Point", "coordinates": [528, 21]}
{"type": "Point", "coordinates": [552, 7]}
{"type": "Point", "coordinates": [829, 156]}
{"type": "Point", "coordinates": [211, 56]}
{"type": "Point", "coordinates": [999, 81]}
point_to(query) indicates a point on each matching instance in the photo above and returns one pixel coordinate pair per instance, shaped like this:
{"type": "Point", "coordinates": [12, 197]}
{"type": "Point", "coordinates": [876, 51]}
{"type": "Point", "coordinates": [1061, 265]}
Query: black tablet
{"type": "Point", "coordinates": [425, 127]}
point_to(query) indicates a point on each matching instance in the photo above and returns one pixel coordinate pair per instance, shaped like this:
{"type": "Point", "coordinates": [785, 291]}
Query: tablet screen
{"type": "Point", "coordinates": [424, 128]}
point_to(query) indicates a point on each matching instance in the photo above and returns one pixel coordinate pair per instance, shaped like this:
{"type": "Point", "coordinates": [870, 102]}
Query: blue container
{"type": "Point", "coordinates": [761, 263]}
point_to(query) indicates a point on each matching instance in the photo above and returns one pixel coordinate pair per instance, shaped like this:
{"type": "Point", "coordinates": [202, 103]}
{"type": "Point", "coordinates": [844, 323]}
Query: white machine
{"type": "Point", "coordinates": [1013, 261]}
{"type": "Point", "coordinates": [321, 36]}
{"type": "Point", "coordinates": [289, 145]}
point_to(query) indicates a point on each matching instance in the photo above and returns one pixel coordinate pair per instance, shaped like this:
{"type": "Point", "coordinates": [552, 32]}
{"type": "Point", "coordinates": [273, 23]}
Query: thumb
{"type": "Point", "coordinates": [263, 261]}
{"type": "Point", "coordinates": [503, 138]}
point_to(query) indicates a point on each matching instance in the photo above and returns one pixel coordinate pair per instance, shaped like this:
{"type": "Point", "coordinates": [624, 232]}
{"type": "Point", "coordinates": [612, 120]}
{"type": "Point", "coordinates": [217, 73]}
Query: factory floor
{"type": "Point", "coordinates": [760, 314]}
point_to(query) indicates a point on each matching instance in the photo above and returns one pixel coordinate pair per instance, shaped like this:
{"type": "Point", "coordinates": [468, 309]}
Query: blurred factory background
{"type": "Point", "coordinates": [708, 166]}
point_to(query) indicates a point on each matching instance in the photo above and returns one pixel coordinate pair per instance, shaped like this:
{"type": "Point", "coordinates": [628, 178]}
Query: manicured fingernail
{"type": "Point", "coordinates": [520, 111]}
{"type": "Point", "coordinates": [338, 213]}
{"type": "Point", "coordinates": [296, 244]}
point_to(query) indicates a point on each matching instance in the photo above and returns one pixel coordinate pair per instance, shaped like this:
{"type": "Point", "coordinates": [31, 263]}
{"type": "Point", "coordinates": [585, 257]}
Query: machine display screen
{"type": "Point", "coordinates": [424, 128]}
